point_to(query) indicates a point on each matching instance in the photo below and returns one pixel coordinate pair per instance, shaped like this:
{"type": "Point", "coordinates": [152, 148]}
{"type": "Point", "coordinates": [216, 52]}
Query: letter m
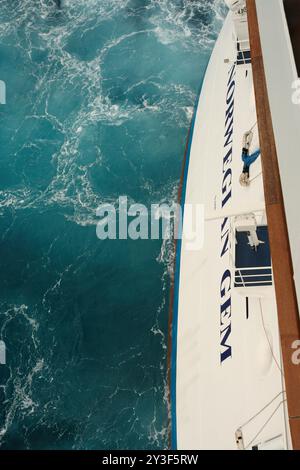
{"type": "Point", "coordinates": [226, 348]}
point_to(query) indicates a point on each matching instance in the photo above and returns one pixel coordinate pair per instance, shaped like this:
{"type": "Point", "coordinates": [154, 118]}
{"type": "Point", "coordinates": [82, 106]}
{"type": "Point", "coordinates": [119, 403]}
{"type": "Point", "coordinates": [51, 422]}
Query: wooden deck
{"type": "Point", "coordinates": [288, 315]}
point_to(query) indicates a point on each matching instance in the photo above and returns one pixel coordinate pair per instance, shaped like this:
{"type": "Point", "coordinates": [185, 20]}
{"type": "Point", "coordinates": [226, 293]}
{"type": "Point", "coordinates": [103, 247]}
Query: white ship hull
{"type": "Point", "coordinates": [226, 377]}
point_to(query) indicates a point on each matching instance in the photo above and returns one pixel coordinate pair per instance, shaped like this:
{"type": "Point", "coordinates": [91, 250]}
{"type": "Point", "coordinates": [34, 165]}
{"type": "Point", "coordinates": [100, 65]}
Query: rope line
{"type": "Point", "coordinates": [263, 409]}
{"type": "Point", "coordinates": [254, 177]}
{"type": "Point", "coordinates": [253, 126]}
{"type": "Point", "coordinates": [268, 339]}
{"type": "Point", "coordinates": [265, 424]}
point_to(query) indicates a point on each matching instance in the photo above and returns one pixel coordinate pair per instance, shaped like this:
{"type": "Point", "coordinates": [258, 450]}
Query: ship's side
{"type": "Point", "coordinates": [227, 379]}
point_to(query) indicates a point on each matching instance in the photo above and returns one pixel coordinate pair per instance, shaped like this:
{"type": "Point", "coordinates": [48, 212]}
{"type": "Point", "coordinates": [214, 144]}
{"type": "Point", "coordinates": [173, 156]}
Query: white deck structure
{"type": "Point", "coordinates": [278, 53]}
{"type": "Point", "coordinates": [226, 365]}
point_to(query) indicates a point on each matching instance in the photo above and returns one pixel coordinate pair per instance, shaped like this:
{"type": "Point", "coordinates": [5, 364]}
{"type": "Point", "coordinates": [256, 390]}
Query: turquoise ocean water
{"type": "Point", "coordinates": [100, 95]}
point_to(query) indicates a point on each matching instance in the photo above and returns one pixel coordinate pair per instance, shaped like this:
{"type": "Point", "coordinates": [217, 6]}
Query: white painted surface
{"type": "Point", "coordinates": [214, 399]}
{"type": "Point", "coordinates": [281, 72]}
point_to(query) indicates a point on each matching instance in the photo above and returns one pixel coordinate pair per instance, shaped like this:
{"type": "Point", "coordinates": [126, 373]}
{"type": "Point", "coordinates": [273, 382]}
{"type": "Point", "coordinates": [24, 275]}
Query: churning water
{"type": "Point", "coordinates": [100, 95]}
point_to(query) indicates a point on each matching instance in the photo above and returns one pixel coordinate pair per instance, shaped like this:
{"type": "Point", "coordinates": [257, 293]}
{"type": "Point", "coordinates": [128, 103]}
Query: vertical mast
{"type": "Point", "coordinates": [287, 307]}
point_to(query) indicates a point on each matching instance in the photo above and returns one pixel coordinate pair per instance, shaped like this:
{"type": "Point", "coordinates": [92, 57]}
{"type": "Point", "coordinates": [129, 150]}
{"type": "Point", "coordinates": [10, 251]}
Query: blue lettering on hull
{"type": "Point", "coordinates": [225, 288]}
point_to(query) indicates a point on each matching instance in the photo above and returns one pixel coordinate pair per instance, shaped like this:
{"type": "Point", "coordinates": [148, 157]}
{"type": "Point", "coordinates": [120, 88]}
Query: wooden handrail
{"type": "Point", "coordinates": [287, 307]}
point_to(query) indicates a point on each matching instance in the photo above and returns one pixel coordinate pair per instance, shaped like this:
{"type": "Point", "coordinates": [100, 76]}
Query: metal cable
{"type": "Point", "coordinates": [265, 424]}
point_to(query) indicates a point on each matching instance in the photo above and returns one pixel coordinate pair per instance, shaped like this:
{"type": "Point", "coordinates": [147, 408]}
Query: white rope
{"type": "Point", "coordinates": [263, 409]}
{"type": "Point", "coordinates": [256, 176]}
{"type": "Point", "coordinates": [268, 339]}
{"type": "Point", "coordinates": [273, 399]}
{"type": "Point", "coordinates": [265, 424]}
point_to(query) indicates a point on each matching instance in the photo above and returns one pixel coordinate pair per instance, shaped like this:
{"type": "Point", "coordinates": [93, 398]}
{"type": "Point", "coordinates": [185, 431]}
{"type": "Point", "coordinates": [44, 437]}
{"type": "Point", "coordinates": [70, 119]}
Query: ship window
{"type": "Point", "coordinates": [243, 55]}
{"type": "Point", "coordinates": [292, 12]}
{"type": "Point", "coordinates": [253, 266]}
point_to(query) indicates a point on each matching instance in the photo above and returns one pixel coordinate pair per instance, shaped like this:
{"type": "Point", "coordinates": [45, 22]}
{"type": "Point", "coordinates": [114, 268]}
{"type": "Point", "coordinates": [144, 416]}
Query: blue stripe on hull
{"type": "Point", "coordinates": [176, 286]}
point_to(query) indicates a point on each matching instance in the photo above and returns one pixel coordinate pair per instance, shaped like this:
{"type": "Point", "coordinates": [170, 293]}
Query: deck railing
{"type": "Point", "coordinates": [253, 277]}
